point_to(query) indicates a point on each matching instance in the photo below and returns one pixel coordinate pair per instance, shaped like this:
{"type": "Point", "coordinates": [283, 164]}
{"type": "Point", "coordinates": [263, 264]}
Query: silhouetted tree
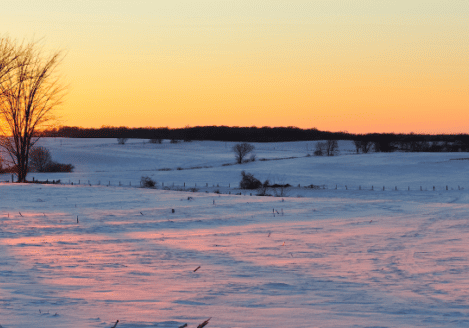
{"type": "Point", "coordinates": [332, 147]}
{"type": "Point", "coordinates": [320, 149]}
{"type": "Point", "coordinates": [241, 150]}
{"type": "Point", "coordinates": [366, 146]}
{"type": "Point", "coordinates": [29, 93]}
{"type": "Point", "coordinates": [358, 145]}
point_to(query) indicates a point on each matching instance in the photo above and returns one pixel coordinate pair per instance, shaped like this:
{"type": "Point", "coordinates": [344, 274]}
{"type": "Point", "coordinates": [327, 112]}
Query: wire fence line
{"type": "Point", "coordinates": [190, 186]}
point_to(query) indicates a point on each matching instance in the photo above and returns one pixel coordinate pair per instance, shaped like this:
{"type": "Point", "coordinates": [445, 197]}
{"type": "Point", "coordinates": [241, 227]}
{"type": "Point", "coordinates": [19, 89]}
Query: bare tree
{"type": "Point", "coordinates": [332, 147]}
{"type": "Point", "coordinates": [358, 145]}
{"type": "Point", "coordinates": [320, 148]}
{"type": "Point", "coordinates": [29, 93]}
{"type": "Point", "coordinates": [241, 150]}
{"type": "Point", "coordinates": [366, 146]}
{"type": "Point", "coordinates": [122, 141]}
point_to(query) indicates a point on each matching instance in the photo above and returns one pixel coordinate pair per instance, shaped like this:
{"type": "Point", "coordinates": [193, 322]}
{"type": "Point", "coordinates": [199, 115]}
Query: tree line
{"type": "Point", "coordinates": [383, 142]}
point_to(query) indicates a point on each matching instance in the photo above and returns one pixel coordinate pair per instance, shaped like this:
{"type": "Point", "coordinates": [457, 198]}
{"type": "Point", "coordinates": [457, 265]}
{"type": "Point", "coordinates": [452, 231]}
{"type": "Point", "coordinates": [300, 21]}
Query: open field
{"type": "Point", "coordinates": [103, 161]}
{"type": "Point", "coordinates": [330, 258]}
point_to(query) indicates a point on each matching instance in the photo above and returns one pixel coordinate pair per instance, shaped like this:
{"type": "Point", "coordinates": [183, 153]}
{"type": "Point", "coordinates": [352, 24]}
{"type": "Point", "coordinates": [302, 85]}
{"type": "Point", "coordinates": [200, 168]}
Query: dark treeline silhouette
{"type": "Point", "coordinates": [215, 133]}
{"type": "Point", "coordinates": [383, 142]}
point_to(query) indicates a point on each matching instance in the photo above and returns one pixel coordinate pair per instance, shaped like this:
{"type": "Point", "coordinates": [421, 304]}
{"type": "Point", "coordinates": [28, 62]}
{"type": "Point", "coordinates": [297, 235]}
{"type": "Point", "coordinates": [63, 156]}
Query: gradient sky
{"type": "Point", "coordinates": [339, 65]}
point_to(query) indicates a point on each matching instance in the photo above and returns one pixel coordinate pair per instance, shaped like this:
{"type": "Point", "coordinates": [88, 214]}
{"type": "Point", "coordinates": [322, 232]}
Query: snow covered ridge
{"type": "Point", "coordinates": [105, 162]}
{"type": "Point", "coordinates": [87, 256]}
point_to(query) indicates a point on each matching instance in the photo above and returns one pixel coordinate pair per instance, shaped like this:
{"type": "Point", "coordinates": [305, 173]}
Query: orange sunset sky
{"type": "Point", "coordinates": [358, 66]}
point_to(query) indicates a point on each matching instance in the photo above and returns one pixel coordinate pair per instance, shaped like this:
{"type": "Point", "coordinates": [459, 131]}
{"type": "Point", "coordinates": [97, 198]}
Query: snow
{"type": "Point", "coordinates": [318, 258]}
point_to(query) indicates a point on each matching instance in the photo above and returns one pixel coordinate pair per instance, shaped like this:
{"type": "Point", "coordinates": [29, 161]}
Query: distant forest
{"type": "Point", "coordinates": [384, 142]}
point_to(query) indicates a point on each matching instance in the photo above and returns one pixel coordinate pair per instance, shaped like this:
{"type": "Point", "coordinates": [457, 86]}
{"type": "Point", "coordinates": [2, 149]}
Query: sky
{"type": "Point", "coordinates": [339, 65]}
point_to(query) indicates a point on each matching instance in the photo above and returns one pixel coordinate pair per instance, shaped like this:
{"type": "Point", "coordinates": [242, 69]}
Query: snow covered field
{"type": "Point", "coordinates": [330, 258]}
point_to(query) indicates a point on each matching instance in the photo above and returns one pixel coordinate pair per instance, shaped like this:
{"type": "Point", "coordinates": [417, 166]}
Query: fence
{"type": "Point", "coordinates": [191, 186]}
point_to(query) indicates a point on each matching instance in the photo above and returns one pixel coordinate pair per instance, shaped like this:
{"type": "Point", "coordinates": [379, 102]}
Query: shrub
{"type": "Point", "coordinates": [174, 141]}
{"type": "Point", "coordinates": [58, 167]}
{"type": "Point", "coordinates": [147, 182]}
{"type": "Point", "coordinates": [248, 181]}
{"type": "Point", "coordinates": [262, 191]}
{"type": "Point", "coordinates": [122, 141]}
{"type": "Point", "coordinates": [39, 159]}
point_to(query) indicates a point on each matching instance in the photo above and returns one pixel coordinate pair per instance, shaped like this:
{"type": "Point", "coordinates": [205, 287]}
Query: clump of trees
{"type": "Point", "coordinates": [241, 150]}
{"type": "Point", "coordinates": [30, 91]}
{"type": "Point", "coordinates": [328, 148]}
{"type": "Point", "coordinates": [363, 145]}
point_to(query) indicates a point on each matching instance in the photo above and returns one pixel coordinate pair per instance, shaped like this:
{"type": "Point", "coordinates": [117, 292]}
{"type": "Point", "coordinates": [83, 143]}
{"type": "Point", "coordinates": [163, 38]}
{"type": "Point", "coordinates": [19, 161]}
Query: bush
{"type": "Point", "coordinates": [174, 141]}
{"type": "Point", "coordinates": [58, 167]}
{"type": "Point", "coordinates": [147, 182]}
{"type": "Point", "coordinates": [122, 141]}
{"type": "Point", "coordinates": [249, 182]}
{"type": "Point", "coordinates": [39, 159]}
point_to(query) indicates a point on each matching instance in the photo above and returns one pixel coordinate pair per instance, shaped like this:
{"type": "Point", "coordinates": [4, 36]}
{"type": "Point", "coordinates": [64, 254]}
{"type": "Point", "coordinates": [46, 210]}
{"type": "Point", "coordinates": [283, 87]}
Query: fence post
{"type": "Point", "coordinates": [420, 188]}
{"type": "Point", "coordinates": [446, 187]}
{"type": "Point", "coordinates": [383, 188]}
{"type": "Point", "coordinates": [371, 187]}
{"type": "Point", "coordinates": [359, 187]}
{"type": "Point", "coordinates": [346, 187]}
{"type": "Point", "coordinates": [396, 188]}
{"type": "Point", "coordinates": [433, 188]}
